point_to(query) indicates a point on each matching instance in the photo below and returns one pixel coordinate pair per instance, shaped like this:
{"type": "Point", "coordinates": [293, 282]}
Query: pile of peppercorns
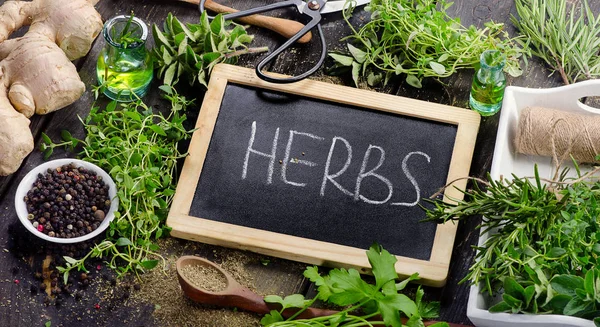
{"type": "Point", "coordinates": [67, 202]}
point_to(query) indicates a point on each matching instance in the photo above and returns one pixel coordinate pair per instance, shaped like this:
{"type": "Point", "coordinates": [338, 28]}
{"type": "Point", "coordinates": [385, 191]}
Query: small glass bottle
{"type": "Point", "coordinates": [124, 65]}
{"type": "Point", "coordinates": [487, 89]}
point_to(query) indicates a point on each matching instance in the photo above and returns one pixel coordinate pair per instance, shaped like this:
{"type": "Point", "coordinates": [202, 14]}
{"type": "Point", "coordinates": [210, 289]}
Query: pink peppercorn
{"type": "Point", "coordinates": [40, 228]}
{"type": "Point", "coordinates": [17, 281]}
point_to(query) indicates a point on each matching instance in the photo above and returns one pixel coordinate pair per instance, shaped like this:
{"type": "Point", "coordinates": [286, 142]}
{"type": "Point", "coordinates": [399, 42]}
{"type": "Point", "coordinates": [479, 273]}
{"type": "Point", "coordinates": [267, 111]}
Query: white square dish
{"type": "Point", "coordinates": [507, 162]}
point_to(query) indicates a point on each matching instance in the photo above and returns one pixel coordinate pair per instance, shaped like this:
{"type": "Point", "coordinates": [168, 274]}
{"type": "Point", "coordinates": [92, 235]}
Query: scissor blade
{"type": "Point", "coordinates": [333, 6]}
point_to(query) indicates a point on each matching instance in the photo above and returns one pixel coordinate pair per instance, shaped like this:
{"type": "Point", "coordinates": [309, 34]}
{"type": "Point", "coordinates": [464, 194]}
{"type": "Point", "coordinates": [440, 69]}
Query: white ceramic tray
{"type": "Point", "coordinates": [506, 162]}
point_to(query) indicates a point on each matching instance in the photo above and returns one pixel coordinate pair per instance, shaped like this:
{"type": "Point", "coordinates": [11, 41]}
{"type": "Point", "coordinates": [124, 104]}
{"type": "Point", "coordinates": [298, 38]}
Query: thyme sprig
{"type": "Point", "coordinates": [567, 40]}
{"type": "Point", "coordinates": [419, 39]}
{"type": "Point", "coordinates": [138, 148]}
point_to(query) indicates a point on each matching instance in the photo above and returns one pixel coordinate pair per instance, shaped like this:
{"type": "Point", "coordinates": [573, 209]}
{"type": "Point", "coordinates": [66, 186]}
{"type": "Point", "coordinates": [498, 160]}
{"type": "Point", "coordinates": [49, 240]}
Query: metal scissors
{"type": "Point", "coordinates": [313, 10]}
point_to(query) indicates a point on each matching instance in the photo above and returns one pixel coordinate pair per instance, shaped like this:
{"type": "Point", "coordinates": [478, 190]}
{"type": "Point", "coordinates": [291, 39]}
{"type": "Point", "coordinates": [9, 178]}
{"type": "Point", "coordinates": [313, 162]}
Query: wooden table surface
{"type": "Point", "coordinates": [21, 256]}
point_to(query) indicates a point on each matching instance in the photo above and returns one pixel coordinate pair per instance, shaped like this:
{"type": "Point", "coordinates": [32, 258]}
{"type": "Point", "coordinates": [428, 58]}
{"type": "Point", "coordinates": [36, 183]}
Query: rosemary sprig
{"type": "Point", "coordinates": [542, 238]}
{"type": "Point", "coordinates": [567, 40]}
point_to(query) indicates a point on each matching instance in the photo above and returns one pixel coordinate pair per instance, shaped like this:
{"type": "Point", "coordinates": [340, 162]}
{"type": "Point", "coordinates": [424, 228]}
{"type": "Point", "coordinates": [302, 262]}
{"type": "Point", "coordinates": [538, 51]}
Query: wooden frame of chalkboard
{"type": "Point", "coordinates": [433, 272]}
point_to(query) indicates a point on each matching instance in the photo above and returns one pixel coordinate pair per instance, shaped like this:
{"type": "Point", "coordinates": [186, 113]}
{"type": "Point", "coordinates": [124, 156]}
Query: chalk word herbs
{"type": "Point", "coordinates": [331, 176]}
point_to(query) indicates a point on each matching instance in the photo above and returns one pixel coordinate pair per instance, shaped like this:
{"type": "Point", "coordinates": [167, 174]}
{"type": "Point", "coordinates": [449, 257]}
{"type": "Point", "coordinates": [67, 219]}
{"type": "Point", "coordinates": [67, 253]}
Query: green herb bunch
{"type": "Point", "coordinates": [567, 40]}
{"type": "Point", "coordinates": [138, 148]}
{"type": "Point", "coordinates": [192, 50]}
{"type": "Point", "coordinates": [418, 39]}
{"type": "Point", "coordinates": [544, 242]}
{"type": "Point", "coordinates": [365, 304]}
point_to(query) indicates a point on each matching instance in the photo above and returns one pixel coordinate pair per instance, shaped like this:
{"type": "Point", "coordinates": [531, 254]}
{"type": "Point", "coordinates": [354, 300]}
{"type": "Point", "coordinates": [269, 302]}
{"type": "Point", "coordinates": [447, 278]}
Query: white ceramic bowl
{"type": "Point", "coordinates": [31, 177]}
{"type": "Point", "coordinates": [507, 161]}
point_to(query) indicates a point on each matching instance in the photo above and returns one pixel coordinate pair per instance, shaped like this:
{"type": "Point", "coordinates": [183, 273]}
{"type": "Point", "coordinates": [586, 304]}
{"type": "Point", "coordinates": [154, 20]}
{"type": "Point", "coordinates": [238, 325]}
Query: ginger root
{"type": "Point", "coordinates": [36, 73]}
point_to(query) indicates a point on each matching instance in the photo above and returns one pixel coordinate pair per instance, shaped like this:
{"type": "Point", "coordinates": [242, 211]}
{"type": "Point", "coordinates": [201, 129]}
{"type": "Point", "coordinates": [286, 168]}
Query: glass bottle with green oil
{"type": "Point", "coordinates": [487, 89]}
{"type": "Point", "coordinates": [124, 66]}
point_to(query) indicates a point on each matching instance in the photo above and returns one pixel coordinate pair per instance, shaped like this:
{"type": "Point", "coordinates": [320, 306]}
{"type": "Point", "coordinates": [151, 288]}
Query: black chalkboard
{"type": "Point", "coordinates": [311, 192]}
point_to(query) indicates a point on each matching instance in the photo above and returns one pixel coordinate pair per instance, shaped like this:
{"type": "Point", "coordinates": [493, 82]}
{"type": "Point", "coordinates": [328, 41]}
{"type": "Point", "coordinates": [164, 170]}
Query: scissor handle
{"type": "Point", "coordinates": [283, 47]}
{"type": "Point", "coordinates": [315, 20]}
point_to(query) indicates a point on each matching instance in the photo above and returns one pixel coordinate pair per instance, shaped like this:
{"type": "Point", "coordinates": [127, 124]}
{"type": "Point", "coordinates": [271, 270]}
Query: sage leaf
{"type": "Point", "coordinates": [413, 81]}
{"type": "Point", "coordinates": [341, 59]}
{"type": "Point", "coordinates": [359, 55]}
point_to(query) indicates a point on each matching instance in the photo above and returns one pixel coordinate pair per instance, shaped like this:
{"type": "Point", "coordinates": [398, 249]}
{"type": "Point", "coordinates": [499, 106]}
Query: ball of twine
{"type": "Point", "coordinates": [558, 134]}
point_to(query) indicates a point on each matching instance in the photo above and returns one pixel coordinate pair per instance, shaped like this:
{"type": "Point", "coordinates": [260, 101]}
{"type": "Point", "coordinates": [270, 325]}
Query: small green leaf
{"type": "Point", "coordinates": [160, 39]}
{"type": "Point", "coordinates": [271, 318]}
{"type": "Point", "coordinates": [66, 136]}
{"type": "Point", "coordinates": [359, 55]}
{"type": "Point", "coordinates": [136, 158]}
{"type": "Point", "coordinates": [48, 153]}
{"type": "Point", "coordinates": [556, 252]}
{"type": "Point", "coordinates": [443, 57]}
{"type": "Point", "coordinates": [273, 299]}
{"type": "Point", "coordinates": [413, 81]}
{"type": "Point", "coordinates": [341, 59]}
{"type": "Point", "coordinates": [158, 130]}
{"type": "Point", "coordinates": [66, 277]}
{"type": "Point", "coordinates": [500, 307]}
{"type": "Point", "coordinates": [355, 72]}
{"type": "Point", "coordinates": [512, 301]}
{"type": "Point", "coordinates": [149, 264]}
{"type": "Point", "coordinates": [170, 74]}
{"type": "Point", "coordinates": [589, 282]}
{"type": "Point", "coordinates": [48, 323]}
{"type": "Point", "coordinates": [437, 68]}
{"type": "Point", "coordinates": [374, 79]}
{"type": "Point", "coordinates": [70, 260]}
{"type": "Point", "coordinates": [111, 106]}
{"type": "Point", "coordinates": [46, 138]}
{"type": "Point", "coordinates": [122, 241]}
{"type": "Point", "coordinates": [294, 301]}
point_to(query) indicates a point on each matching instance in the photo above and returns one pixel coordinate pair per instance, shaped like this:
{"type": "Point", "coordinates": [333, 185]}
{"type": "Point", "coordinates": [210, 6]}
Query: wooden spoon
{"type": "Point", "coordinates": [284, 27]}
{"type": "Point", "coordinates": [236, 295]}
